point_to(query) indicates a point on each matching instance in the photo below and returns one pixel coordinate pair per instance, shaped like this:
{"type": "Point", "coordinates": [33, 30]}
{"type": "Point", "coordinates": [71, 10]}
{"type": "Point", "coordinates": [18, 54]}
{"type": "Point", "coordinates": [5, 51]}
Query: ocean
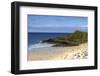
{"type": "Point", "coordinates": [35, 39]}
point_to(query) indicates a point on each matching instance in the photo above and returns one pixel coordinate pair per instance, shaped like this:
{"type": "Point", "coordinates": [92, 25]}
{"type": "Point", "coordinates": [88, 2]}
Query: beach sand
{"type": "Point", "coordinates": [59, 53]}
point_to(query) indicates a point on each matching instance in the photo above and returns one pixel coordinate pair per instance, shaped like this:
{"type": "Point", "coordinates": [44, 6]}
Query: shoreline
{"type": "Point", "coordinates": [58, 53]}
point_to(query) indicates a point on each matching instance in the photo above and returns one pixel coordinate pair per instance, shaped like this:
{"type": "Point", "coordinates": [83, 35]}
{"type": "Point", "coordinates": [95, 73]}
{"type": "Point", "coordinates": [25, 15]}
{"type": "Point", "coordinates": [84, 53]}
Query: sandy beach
{"type": "Point", "coordinates": [59, 53]}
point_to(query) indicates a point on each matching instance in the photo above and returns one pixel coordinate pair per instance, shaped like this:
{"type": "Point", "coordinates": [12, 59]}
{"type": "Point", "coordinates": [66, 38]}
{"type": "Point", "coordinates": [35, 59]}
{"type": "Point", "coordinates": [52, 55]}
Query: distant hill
{"type": "Point", "coordinates": [75, 38]}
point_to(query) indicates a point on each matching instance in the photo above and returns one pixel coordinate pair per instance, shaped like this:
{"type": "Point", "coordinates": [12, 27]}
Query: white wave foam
{"type": "Point", "coordinates": [40, 45]}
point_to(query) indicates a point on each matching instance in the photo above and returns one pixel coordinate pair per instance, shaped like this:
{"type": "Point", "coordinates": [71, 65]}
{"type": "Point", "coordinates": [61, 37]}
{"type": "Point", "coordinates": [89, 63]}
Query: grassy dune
{"type": "Point", "coordinates": [74, 39]}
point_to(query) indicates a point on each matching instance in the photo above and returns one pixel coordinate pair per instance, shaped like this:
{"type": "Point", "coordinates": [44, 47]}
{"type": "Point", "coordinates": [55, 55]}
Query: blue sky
{"type": "Point", "coordinates": [56, 24]}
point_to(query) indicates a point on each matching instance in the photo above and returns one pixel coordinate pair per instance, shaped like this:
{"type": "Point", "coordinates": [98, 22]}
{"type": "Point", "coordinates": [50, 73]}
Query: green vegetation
{"type": "Point", "coordinates": [75, 38]}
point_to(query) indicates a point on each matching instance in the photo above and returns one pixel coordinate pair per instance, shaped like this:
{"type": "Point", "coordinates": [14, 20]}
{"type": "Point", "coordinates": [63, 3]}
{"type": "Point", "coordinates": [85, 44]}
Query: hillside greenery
{"type": "Point", "coordinates": [73, 39]}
